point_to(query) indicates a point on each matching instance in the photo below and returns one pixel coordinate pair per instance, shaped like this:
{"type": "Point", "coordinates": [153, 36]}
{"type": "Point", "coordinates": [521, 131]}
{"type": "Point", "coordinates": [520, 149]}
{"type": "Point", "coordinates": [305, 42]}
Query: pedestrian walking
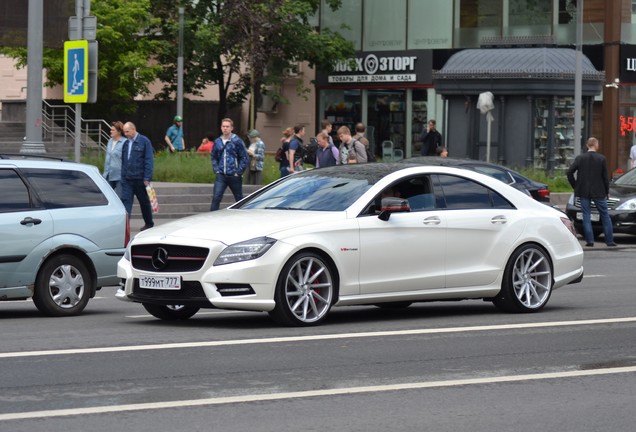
{"type": "Point", "coordinates": [136, 172]}
{"type": "Point", "coordinates": [174, 136]}
{"type": "Point", "coordinates": [229, 161]}
{"type": "Point", "coordinates": [112, 163]}
{"type": "Point", "coordinates": [256, 152]}
{"type": "Point", "coordinates": [591, 184]}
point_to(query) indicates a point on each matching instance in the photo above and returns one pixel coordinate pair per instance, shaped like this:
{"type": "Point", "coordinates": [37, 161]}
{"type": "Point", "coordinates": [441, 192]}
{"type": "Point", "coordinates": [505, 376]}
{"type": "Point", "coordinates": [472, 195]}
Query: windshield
{"type": "Point", "coordinates": [627, 179]}
{"type": "Point", "coordinates": [311, 191]}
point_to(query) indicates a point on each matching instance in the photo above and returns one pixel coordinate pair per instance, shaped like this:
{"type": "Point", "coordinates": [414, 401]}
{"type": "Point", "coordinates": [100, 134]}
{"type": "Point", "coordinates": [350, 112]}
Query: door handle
{"type": "Point", "coordinates": [30, 221]}
{"type": "Point", "coordinates": [432, 220]}
{"type": "Point", "coordinates": [499, 220]}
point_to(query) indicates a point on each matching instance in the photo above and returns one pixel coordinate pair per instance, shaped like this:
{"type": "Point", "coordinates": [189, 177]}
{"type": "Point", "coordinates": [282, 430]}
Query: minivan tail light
{"type": "Point", "coordinates": [544, 193]}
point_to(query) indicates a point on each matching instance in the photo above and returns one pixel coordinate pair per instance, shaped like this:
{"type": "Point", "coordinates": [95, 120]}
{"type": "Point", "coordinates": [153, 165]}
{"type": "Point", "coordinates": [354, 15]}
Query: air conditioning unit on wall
{"type": "Point", "coordinates": [266, 104]}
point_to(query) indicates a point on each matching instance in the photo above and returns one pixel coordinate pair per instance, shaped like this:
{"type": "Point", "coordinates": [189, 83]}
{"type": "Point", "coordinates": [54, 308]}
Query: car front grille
{"type": "Point", "coordinates": [611, 203]}
{"type": "Point", "coordinates": [166, 258]}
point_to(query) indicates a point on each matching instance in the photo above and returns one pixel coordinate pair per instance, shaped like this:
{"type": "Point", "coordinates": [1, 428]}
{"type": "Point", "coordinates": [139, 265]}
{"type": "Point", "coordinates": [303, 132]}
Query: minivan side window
{"type": "Point", "coordinates": [64, 188]}
{"type": "Point", "coordinates": [14, 195]}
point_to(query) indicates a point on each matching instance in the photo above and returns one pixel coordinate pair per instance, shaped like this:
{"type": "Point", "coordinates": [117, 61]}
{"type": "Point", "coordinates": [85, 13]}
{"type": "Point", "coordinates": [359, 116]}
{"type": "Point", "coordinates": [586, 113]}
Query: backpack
{"type": "Point", "coordinates": [309, 151]}
{"type": "Point", "coordinates": [280, 155]}
{"type": "Point", "coordinates": [370, 155]}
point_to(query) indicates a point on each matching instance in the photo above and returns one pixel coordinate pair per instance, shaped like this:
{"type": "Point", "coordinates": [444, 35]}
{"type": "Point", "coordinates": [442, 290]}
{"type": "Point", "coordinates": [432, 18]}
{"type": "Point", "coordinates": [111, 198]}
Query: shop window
{"type": "Point", "coordinates": [554, 133]}
{"type": "Point", "coordinates": [341, 108]}
{"type": "Point", "coordinates": [419, 117]}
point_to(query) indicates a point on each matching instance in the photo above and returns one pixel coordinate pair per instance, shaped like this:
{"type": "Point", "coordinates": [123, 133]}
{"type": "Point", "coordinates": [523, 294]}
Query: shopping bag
{"type": "Point", "coordinates": [152, 195]}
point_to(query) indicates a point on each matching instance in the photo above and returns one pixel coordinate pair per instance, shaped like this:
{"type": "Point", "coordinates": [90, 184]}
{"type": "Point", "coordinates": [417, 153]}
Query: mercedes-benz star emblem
{"type": "Point", "coordinates": [160, 258]}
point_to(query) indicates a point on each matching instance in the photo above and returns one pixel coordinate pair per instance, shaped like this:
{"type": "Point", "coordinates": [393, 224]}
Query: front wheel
{"type": "Point", "coordinates": [63, 286]}
{"type": "Point", "coordinates": [170, 312]}
{"type": "Point", "coordinates": [527, 281]}
{"type": "Point", "coordinates": [304, 292]}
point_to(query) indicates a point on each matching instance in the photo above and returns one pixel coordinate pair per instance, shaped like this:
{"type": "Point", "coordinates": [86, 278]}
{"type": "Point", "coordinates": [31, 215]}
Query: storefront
{"type": "Point", "coordinates": [389, 91]}
{"type": "Point", "coordinates": [533, 92]}
{"type": "Point", "coordinates": [625, 87]}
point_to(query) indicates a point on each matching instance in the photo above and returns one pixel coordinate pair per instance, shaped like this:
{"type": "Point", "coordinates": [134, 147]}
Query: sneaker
{"type": "Point", "coordinates": [612, 244]}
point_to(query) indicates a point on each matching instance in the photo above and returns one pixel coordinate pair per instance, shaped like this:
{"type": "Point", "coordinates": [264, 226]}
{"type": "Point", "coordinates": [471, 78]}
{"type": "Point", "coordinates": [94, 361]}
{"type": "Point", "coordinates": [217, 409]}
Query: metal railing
{"type": "Point", "coordinates": [58, 121]}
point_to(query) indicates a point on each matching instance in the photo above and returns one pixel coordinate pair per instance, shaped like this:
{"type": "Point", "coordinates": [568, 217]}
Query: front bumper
{"type": "Point", "coordinates": [623, 221]}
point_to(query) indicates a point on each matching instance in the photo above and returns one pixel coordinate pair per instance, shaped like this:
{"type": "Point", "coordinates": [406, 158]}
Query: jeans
{"type": "Point", "coordinates": [235, 182]}
{"type": "Point", "coordinates": [136, 188]}
{"type": "Point", "coordinates": [601, 206]}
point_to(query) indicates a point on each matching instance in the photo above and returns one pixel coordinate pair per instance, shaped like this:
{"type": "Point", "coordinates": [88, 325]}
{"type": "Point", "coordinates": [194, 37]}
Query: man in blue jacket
{"type": "Point", "coordinates": [229, 161]}
{"type": "Point", "coordinates": [136, 172]}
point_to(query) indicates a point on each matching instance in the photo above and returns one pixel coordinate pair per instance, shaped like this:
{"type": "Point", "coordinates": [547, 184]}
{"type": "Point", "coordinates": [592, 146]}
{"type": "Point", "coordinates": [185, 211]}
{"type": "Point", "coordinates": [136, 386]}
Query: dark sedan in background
{"type": "Point", "coordinates": [537, 190]}
{"type": "Point", "coordinates": [621, 205]}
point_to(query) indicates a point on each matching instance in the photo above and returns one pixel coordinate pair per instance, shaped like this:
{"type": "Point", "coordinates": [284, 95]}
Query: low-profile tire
{"type": "Point", "coordinates": [305, 291]}
{"type": "Point", "coordinates": [170, 312]}
{"type": "Point", "coordinates": [527, 280]}
{"type": "Point", "coordinates": [63, 286]}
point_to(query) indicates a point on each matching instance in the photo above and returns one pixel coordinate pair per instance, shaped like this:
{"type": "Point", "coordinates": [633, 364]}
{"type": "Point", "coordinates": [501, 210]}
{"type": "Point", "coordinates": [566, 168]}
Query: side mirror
{"type": "Point", "coordinates": [393, 205]}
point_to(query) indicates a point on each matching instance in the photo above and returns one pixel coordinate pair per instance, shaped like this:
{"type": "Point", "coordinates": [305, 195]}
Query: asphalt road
{"type": "Point", "coordinates": [435, 367]}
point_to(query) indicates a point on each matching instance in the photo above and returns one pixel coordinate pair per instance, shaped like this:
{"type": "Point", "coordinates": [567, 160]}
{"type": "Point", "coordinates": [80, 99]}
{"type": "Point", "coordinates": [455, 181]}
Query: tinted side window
{"type": "Point", "coordinates": [14, 195]}
{"type": "Point", "coordinates": [65, 188]}
{"type": "Point", "coordinates": [462, 193]}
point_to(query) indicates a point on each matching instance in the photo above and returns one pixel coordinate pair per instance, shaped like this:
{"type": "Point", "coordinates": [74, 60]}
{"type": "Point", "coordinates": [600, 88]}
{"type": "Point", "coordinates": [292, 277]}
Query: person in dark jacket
{"type": "Point", "coordinates": [137, 164]}
{"type": "Point", "coordinates": [431, 139]}
{"type": "Point", "coordinates": [592, 184]}
{"type": "Point", "coordinates": [229, 161]}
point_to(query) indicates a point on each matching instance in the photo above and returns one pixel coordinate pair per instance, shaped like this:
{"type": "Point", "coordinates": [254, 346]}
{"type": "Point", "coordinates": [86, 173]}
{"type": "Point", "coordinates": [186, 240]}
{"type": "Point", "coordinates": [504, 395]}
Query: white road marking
{"type": "Point", "coordinates": [315, 337]}
{"type": "Point", "coordinates": [310, 393]}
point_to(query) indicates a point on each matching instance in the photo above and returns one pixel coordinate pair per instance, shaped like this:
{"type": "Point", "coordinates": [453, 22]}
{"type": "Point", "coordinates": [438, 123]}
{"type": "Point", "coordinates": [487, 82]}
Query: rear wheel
{"type": "Point", "coordinates": [63, 286]}
{"type": "Point", "coordinates": [305, 291]}
{"type": "Point", "coordinates": [527, 281]}
{"type": "Point", "coordinates": [170, 312]}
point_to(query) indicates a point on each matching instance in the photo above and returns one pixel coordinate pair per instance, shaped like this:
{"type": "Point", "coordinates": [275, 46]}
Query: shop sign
{"type": "Point", "coordinates": [627, 63]}
{"type": "Point", "coordinates": [339, 79]}
{"type": "Point", "coordinates": [387, 67]}
{"type": "Point", "coordinates": [628, 124]}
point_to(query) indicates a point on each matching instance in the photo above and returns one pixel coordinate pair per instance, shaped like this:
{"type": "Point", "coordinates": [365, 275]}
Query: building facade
{"type": "Point", "coordinates": [392, 84]}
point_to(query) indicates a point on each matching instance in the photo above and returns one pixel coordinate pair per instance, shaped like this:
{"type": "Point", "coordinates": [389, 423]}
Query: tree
{"type": "Point", "coordinates": [125, 50]}
{"type": "Point", "coordinates": [245, 46]}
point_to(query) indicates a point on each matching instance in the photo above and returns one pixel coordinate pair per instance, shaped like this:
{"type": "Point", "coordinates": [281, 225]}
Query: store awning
{"type": "Point", "coordinates": [516, 71]}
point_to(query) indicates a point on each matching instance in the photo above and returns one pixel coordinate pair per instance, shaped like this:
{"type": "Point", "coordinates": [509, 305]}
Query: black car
{"type": "Point", "coordinates": [621, 205]}
{"type": "Point", "coordinates": [537, 190]}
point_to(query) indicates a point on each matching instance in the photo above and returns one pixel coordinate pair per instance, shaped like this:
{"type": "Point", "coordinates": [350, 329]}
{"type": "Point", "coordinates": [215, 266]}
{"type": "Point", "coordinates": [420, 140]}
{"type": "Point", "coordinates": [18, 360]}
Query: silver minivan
{"type": "Point", "coordinates": [62, 231]}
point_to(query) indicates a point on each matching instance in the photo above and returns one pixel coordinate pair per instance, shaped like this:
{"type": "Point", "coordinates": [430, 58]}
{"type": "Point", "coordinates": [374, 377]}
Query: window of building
{"type": "Point", "coordinates": [477, 19]}
{"type": "Point", "coordinates": [384, 25]}
{"type": "Point", "coordinates": [428, 24]}
{"type": "Point", "coordinates": [528, 18]}
{"type": "Point", "coordinates": [347, 21]}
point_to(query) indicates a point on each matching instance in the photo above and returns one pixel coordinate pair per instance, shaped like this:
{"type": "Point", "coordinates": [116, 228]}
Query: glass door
{"type": "Point", "coordinates": [386, 114]}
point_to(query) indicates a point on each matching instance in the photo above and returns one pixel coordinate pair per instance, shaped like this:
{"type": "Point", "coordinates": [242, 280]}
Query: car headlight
{"type": "Point", "coordinates": [572, 199]}
{"type": "Point", "coordinates": [245, 251]}
{"type": "Point", "coordinates": [627, 205]}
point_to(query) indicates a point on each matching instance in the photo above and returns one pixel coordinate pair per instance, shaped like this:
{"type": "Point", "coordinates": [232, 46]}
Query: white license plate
{"type": "Point", "coordinates": [595, 217]}
{"type": "Point", "coordinates": [160, 282]}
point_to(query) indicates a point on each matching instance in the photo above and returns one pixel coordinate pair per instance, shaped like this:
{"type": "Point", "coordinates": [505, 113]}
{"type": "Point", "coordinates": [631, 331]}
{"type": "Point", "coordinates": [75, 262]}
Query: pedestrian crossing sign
{"type": "Point", "coordinates": [76, 71]}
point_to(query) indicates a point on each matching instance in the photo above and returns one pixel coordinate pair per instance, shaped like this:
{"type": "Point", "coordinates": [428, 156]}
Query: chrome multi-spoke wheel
{"type": "Point", "coordinates": [63, 286]}
{"type": "Point", "coordinates": [527, 282]}
{"type": "Point", "coordinates": [305, 291]}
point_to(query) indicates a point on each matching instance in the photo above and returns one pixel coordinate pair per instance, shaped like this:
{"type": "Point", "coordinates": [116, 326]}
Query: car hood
{"type": "Point", "coordinates": [618, 191]}
{"type": "Point", "coordinates": [230, 226]}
